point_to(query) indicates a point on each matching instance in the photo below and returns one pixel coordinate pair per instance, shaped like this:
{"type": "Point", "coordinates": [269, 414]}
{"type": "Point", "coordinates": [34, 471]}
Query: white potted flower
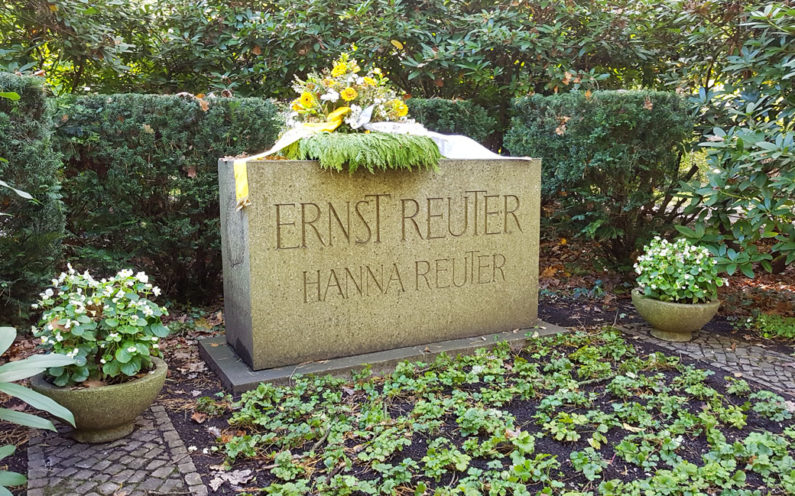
{"type": "Point", "coordinates": [677, 291]}
{"type": "Point", "coordinates": [112, 331]}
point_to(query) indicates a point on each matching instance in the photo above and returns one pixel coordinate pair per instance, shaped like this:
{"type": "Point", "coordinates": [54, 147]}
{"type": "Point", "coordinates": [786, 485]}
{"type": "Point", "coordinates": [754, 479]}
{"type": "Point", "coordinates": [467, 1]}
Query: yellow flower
{"type": "Point", "coordinates": [377, 71]}
{"type": "Point", "coordinates": [348, 94]}
{"type": "Point", "coordinates": [307, 99]}
{"type": "Point", "coordinates": [400, 108]}
{"type": "Point", "coordinates": [296, 105]}
{"type": "Point", "coordinates": [369, 81]}
{"type": "Point", "coordinates": [339, 69]}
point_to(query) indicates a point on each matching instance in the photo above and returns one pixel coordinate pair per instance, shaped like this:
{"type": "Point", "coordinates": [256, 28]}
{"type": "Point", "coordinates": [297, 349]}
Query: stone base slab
{"type": "Point", "coordinates": [238, 377]}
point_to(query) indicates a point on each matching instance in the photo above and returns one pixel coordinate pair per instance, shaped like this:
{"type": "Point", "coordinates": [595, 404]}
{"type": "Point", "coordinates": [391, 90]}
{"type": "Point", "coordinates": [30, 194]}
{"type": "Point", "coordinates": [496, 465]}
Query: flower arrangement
{"type": "Point", "coordinates": [677, 272]}
{"type": "Point", "coordinates": [109, 327]}
{"type": "Point", "coordinates": [345, 94]}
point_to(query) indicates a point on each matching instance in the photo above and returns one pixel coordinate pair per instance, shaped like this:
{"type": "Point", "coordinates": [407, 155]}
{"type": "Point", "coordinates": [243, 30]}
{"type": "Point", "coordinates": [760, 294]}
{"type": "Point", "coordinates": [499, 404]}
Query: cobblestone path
{"type": "Point", "coordinates": [152, 460]}
{"type": "Point", "coordinates": [767, 368]}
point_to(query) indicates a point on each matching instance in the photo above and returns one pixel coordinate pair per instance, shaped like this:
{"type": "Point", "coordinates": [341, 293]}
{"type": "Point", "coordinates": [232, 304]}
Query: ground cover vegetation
{"type": "Point", "coordinates": [572, 414]}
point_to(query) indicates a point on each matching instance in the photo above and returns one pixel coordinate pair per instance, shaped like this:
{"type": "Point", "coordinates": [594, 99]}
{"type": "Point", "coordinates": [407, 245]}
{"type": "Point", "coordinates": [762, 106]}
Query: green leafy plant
{"type": "Point", "coordinates": [678, 272]}
{"type": "Point", "coordinates": [773, 326]}
{"type": "Point", "coordinates": [746, 207]}
{"type": "Point", "coordinates": [109, 327]}
{"type": "Point", "coordinates": [373, 151]}
{"type": "Point", "coordinates": [18, 370]}
{"type": "Point", "coordinates": [770, 405]}
{"type": "Point", "coordinates": [589, 462]}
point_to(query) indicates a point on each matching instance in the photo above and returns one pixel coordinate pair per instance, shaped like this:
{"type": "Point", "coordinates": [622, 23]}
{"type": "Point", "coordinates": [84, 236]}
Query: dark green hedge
{"type": "Point", "coordinates": [30, 236]}
{"type": "Point", "coordinates": [453, 117]}
{"type": "Point", "coordinates": [141, 181]}
{"type": "Point", "coordinates": [611, 160]}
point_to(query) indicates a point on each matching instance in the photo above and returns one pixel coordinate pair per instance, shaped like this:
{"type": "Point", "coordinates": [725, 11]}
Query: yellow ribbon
{"type": "Point", "coordinates": [333, 121]}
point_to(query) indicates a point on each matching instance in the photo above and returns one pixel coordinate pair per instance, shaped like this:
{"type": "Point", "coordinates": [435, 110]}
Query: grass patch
{"type": "Point", "coordinates": [572, 414]}
{"type": "Point", "coordinates": [371, 151]}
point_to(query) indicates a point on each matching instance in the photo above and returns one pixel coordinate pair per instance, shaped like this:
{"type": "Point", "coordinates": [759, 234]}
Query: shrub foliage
{"type": "Point", "coordinates": [141, 181]}
{"type": "Point", "coordinates": [31, 232]}
{"type": "Point", "coordinates": [454, 117]}
{"type": "Point", "coordinates": [611, 159]}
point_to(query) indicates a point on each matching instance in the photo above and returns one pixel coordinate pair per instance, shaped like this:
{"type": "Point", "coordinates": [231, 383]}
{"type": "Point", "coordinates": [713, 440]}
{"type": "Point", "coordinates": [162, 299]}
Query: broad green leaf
{"type": "Point", "coordinates": [22, 369]}
{"type": "Point", "coordinates": [19, 192]}
{"type": "Point", "coordinates": [25, 419]}
{"type": "Point", "coordinates": [11, 95]}
{"type": "Point", "coordinates": [7, 336]}
{"type": "Point", "coordinates": [7, 450]}
{"type": "Point", "coordinates": [38, 401]}
{"type": "Point", "coordinates": [11, 479]}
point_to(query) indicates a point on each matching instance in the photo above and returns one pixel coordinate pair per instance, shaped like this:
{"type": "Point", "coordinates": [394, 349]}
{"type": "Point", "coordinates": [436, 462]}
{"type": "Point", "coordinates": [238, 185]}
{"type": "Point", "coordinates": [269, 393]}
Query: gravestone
{"type": "Point", "coordinates": [324, 264]}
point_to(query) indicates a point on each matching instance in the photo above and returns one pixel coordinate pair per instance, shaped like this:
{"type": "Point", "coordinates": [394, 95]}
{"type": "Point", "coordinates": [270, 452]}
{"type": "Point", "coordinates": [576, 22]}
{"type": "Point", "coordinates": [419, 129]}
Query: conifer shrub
{"type": "Point", "coordinates": [453, 117]}
{"type": "Point", "coordinates": [611, 162]}
{"type": "Point", "coordinates": [141, 181]}
{"type": "Point", "coordinates": [30, 231]}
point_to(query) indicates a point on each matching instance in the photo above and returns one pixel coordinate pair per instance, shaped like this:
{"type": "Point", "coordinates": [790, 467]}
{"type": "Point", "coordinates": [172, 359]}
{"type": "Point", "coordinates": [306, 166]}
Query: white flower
{"type": "Point", "coordinates": [58, 337]}
{"type": "Point", "coordinates": [71, 270]}
{"type": "Point", "coordinates": [120, 294]}
{"type": "Point", "coordinates": [148, 311]}
{"type": "Point", "coordinates": [34, 306]}
{"type": "Point", "coordinates": [134, 317]}
{"type": "Point", "coordinates": [55, 282]}
{"type": "Point", "coordinates": [132, 349]}
{"type": "Point", "coordinates": [112, 335]}
{"type": "Point", "coordinates": [192, 448]}
{"type": "Point", "coordinates": [156, 291]}
{"type": "Point", "coordinates": [48, 293]}
{"type": "Point", "coordinates": [332, 96]}
{"type": "Point", "coordinates": [72, 353]}
{"type": "Point", "coordinates": [142, 277]}
{"type": "Point", "coordinates": [102, 361]}
{"type": "Point", "coordinates": [44, 340]}
{"type": "Point", "coordinates": [156, 346]}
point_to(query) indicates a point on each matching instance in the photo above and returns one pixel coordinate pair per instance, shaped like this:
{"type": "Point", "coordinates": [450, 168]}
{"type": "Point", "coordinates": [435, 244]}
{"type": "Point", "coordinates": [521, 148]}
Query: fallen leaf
{"type": "Point", "coordinates": [199, 417]}
{"type": "Point", "coordinates": [256, 50]}
{"type": "Point", "coordinates": [234, 478]}
{"type": "Point", "coordinates": [397, 44]}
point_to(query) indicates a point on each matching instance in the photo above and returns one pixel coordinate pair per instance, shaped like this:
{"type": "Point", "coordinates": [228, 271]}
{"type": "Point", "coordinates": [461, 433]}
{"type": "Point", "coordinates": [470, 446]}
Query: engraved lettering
{"type": "Point", "coordinates": [476, 206]}
{"type": "Point", "coordinates": [403, 203]}
{"type": "Point", "coordinates": [394, 276]}
{"type": "Point", "coordinates": [450, 217]}
{"type": "Point", "coordinates": [310, 223]}
{"type": "Point", "coordinates": [488, 213]}
{"type": "Point", "coordinates": [481, 266]}
{"type": "Point", "coordinates": [441, 269]}
{"type": "Point", "coordinates": [279, 224]}
{"type": "Point", "coordinates": [497, 266]}
{"type": "Point", "coordinates": [424, 274]}
{"type": "Point", "coordinates": [511, 213]}
{"type": "Point", "coordinates": [346, 228]}
{"type": "Point", "coordinates": [465, 278]}
{"type": "Point", "coordinates": [332, 276]}
{"type": "Point", "coordinates": [378, 214]}
{"type": "Point", "coordinates": [308, 283]}
{"type": "Point", "coordinates": [431, 215]}
{"type": "Point", "coordinates": [366, 225]}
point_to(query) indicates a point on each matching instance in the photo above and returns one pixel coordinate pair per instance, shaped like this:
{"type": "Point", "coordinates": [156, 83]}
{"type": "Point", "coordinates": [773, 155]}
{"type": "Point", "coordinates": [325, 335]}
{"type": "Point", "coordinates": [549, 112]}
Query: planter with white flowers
{"type": "Point", "coordinates": [112, 330]}
{"type": "Point", "coordinates": [677, 291]}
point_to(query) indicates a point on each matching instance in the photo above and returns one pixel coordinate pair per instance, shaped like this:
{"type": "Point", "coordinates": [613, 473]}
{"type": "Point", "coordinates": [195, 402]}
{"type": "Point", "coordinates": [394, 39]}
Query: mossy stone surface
{"type": "Point", "coordinates": [674, 321]}
{"type": "Point", "coordinates": [106, 413]}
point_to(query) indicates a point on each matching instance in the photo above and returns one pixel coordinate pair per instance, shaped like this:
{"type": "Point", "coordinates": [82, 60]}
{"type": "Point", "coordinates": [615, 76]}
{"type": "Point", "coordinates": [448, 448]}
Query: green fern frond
{"type": "Point", "coordinates": [372, 151]}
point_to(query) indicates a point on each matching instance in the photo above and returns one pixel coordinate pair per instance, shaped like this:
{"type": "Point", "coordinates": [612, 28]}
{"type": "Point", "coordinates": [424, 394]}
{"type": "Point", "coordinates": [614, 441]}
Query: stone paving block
{"type": "Point", "coordinates": [193, 479]}
{"type": "Point", "coordinates": [108, 488]}
{"type": "Point", "coordinates": [140, 464]}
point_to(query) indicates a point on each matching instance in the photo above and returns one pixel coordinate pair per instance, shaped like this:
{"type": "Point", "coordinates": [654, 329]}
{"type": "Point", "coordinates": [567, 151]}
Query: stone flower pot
{"type": "Point", "coordinates": [106, 413]}
{"type": "Point", "coordinates": [673, 321]}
